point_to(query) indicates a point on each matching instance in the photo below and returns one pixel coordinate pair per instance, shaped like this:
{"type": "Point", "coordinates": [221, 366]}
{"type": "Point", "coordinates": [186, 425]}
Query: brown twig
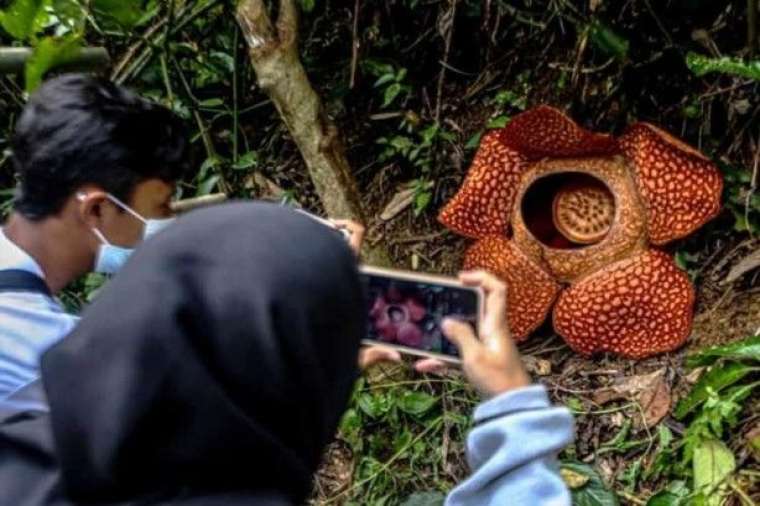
{"type": "Point", "coordinates": [356, 44]}
{"type": "Point", "coordinates": [753, 183]}
{"type": "Point", "coordinates": [657, 20]}
{"type": "Point", "coordinates": [446, 29]}
{"type": "Point", "coordinates": [134, 48]}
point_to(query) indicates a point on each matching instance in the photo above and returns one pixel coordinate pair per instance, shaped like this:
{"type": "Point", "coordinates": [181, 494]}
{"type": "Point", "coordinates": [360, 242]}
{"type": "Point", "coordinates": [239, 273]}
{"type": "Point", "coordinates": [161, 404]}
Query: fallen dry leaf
{"type": "Point", "coordinates": [655, 401]}
{"type": "Point", "coordinates": [400, 201]}
{"type": "Point", "coordinates": [537, 366]}
{"type": "Point", "coordinates": [650, 391]}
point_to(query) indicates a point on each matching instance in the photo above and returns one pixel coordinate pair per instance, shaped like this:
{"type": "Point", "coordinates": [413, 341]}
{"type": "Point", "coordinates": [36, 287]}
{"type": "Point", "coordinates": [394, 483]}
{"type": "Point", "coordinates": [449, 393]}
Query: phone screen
{"type": "Point", "coordinates": [408, 313]}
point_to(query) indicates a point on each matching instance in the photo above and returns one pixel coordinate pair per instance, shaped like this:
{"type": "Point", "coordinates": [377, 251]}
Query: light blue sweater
{"type": "Point", "coordinates": [513, 450]}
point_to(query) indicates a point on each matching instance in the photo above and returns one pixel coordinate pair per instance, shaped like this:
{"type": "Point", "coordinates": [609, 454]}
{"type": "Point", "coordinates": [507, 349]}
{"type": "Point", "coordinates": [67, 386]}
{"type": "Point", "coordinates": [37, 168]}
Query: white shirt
{"type": "Point", "coordinates": [29, 323]}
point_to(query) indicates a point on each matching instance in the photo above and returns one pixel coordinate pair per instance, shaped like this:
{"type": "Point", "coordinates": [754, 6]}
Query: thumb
{"type": "Point", "coordinates": [377, 354]}
{"type": "Point", "coordinates": [461, 334]}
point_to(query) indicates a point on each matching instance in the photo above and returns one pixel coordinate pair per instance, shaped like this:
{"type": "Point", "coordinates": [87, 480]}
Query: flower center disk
{"type": "Point", "coordinates": [583, 213]}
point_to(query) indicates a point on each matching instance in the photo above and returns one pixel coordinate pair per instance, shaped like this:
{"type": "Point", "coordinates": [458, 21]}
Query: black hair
{"type": "Point", "coordinates": [77, 130]}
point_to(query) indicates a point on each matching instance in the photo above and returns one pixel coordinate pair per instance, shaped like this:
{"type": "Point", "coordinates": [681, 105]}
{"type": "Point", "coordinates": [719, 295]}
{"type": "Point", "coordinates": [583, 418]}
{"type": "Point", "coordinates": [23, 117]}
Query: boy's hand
{"type": "Point", "coordinates": [356, 231]}
{"type": "Point", "coordinates": [491, 363]}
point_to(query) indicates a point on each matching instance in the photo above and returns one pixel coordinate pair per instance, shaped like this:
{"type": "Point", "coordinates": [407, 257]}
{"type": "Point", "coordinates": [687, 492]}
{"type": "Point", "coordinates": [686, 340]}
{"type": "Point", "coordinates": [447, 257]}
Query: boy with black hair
{"type": "Point", "coordinates": [97, 168]}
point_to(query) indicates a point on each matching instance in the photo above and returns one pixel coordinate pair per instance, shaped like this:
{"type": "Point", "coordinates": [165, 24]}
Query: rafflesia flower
{"type": "Point", "coordinates": [572, 219]}
{"type": "Point", "coordinates": [397, 319]}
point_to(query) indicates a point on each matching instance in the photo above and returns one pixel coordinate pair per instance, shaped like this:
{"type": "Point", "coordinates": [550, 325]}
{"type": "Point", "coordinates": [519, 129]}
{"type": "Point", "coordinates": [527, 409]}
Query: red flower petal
{"type": "Point", "coordinates": [416, 310]}
{"type": "Point", "coordinates": [409, 334]}
{"type": "Point", "coordinates": [680, 187]}
{"type": "Point", "coordinates": [483, 205]}
{"type": "Point", "coordinates": [637, 307]}
{"type": "Point", "coordinates": [530, 290]}
{"type": "Point", "coordinates": [548, 132]}
{"type": "Point", "coordinates": [386, 328]}
{"type": "Point", "coordinates": [378, 307]}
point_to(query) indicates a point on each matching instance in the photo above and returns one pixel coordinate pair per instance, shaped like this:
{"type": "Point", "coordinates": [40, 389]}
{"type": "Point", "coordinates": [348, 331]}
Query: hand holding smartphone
{"type": "Point", "coordinates": [406, 310]}
{"type": "Point", "coordinates": [486, 351]}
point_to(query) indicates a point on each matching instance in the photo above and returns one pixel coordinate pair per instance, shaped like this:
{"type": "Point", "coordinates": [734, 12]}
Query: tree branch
{"type": "Point", "coordinates": [253, 18]}
{"type": "Point", "coordinates": [287, 23]}
{"type": "Point", "coordinates": [275, 59]}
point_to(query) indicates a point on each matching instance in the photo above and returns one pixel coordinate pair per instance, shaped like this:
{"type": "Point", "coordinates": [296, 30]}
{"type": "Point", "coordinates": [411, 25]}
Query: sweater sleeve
{"type": "Point", "coordinates": [513, 450]}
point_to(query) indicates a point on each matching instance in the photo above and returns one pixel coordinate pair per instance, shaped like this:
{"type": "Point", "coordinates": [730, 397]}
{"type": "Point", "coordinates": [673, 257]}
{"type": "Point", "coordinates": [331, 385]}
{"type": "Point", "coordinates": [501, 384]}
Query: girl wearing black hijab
{"type": "Point", "coordinates": [215, 368]}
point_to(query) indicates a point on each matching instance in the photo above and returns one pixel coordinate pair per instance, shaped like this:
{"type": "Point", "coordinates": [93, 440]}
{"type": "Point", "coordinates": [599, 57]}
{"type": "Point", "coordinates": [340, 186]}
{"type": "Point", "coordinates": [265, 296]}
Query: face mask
{"type": "Point", "coordinates": [111, 258]}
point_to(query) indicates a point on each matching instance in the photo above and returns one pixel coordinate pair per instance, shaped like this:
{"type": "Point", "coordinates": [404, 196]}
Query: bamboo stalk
{"type": "Point", "coordinates": [13, 59]}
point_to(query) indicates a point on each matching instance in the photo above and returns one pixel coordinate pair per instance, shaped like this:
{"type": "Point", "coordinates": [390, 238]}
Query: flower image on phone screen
{"type": "Point", "coordinates": [409, 313]}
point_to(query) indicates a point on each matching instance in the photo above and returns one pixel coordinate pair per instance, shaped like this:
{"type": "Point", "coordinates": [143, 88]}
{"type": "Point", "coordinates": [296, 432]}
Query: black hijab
{"type": "Point", "coordinates": [215, 365]}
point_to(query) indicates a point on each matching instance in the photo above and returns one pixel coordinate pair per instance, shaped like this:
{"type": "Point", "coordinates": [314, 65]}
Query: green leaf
{"type": "Point", "coordinates": [93, 282]}
{"type": "Point", "coordinates": [575, 405]}
{"type": "Point", "coordinates": [19, 18]}
{"type": "Point", "coordinates": [207, 186]}
{"type": "Point", "coordinates": [474, 141]}
{"type": "Point", "coordinates": [307, 5]}
{"type": "Point", "coordinates": [391, 92]}
{"type": "Point", "coordinates": [50, 53]}
{"type": "Point", "coordinates": [208, 164]}
{"type": "Point", "coordinates": [594, 492]}
{"type": "Point", "coordinates": [422, 201]}
{"type": "Point", "coordinates": [702, 65]}
{"type": "Point", "coordinates": [663, 457]}
{"type": "Point", "coordinates": [124, 14]}
{"type": "Point", "coordinates": [416, 403]}
{"type": "Point", "coordinates": [606, 40]}
{"type": "Point", "coordinates": [211, 102]}
{"type": "Point", "coordinates": [223, 60]}
{"type": "Point", "coordinates": [713, 464]}
{"type": "Point", "coordinates": [374, 406]}
{"type": "Point", "coordinates": [746, 349]}
{"type": "Point", "coordinates": [248, 160]}
{"type": "Point", "coordinates": [425, 499]}
{"type": "Point", "coordinates": [632, 474]}
{"type": "Point", "coordinates": [350, 428]}
{"type": "Point", "coordinates": [716, 379]}
{"type": "Point", "coordinates": [498, 122]}
{"type": "Point", "coordinates": [677, 494]}
{"type": "Point", "coordinates": [384, 79]}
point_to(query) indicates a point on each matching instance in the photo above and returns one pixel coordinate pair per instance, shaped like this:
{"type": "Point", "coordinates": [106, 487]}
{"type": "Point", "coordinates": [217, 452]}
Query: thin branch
{"type": "Point", "coordinates": [753, 183]}
{"type": "Point", "coordinates": [287, 23]}
{"type": "Point", "coordinates": [356, 44]}
{"type": "Point", "coordinates": [185, 17]}
{"type": "Point", "coordinates": [657, 20]}
{"type": "Point", "coordinates": [447, 30]}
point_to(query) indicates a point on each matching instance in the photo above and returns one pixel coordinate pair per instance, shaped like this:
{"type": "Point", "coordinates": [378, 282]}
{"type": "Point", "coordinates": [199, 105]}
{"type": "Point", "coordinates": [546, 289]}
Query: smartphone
{"type": "Point", "coordinates": [405, 311]}
{"type": "Point", "coordinates": [327, 223]}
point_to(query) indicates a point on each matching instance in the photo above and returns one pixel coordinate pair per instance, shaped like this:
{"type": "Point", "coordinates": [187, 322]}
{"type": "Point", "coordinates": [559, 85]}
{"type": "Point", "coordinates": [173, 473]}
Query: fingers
{"type": "Point", "coordinates": [377, 354]}
{"type": "Point", "coordinates": [350, 225]}
{"type": "Point", "coordinates": [429, 366]}
{"type": "Point", "coordinates": [485, 280]}
{"type": "Point", "coordinates": [356, 231]}
{"type": "Point", "coordinates": [461, 334]}
{"type": "Point", "coordinates": [495, 290]}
